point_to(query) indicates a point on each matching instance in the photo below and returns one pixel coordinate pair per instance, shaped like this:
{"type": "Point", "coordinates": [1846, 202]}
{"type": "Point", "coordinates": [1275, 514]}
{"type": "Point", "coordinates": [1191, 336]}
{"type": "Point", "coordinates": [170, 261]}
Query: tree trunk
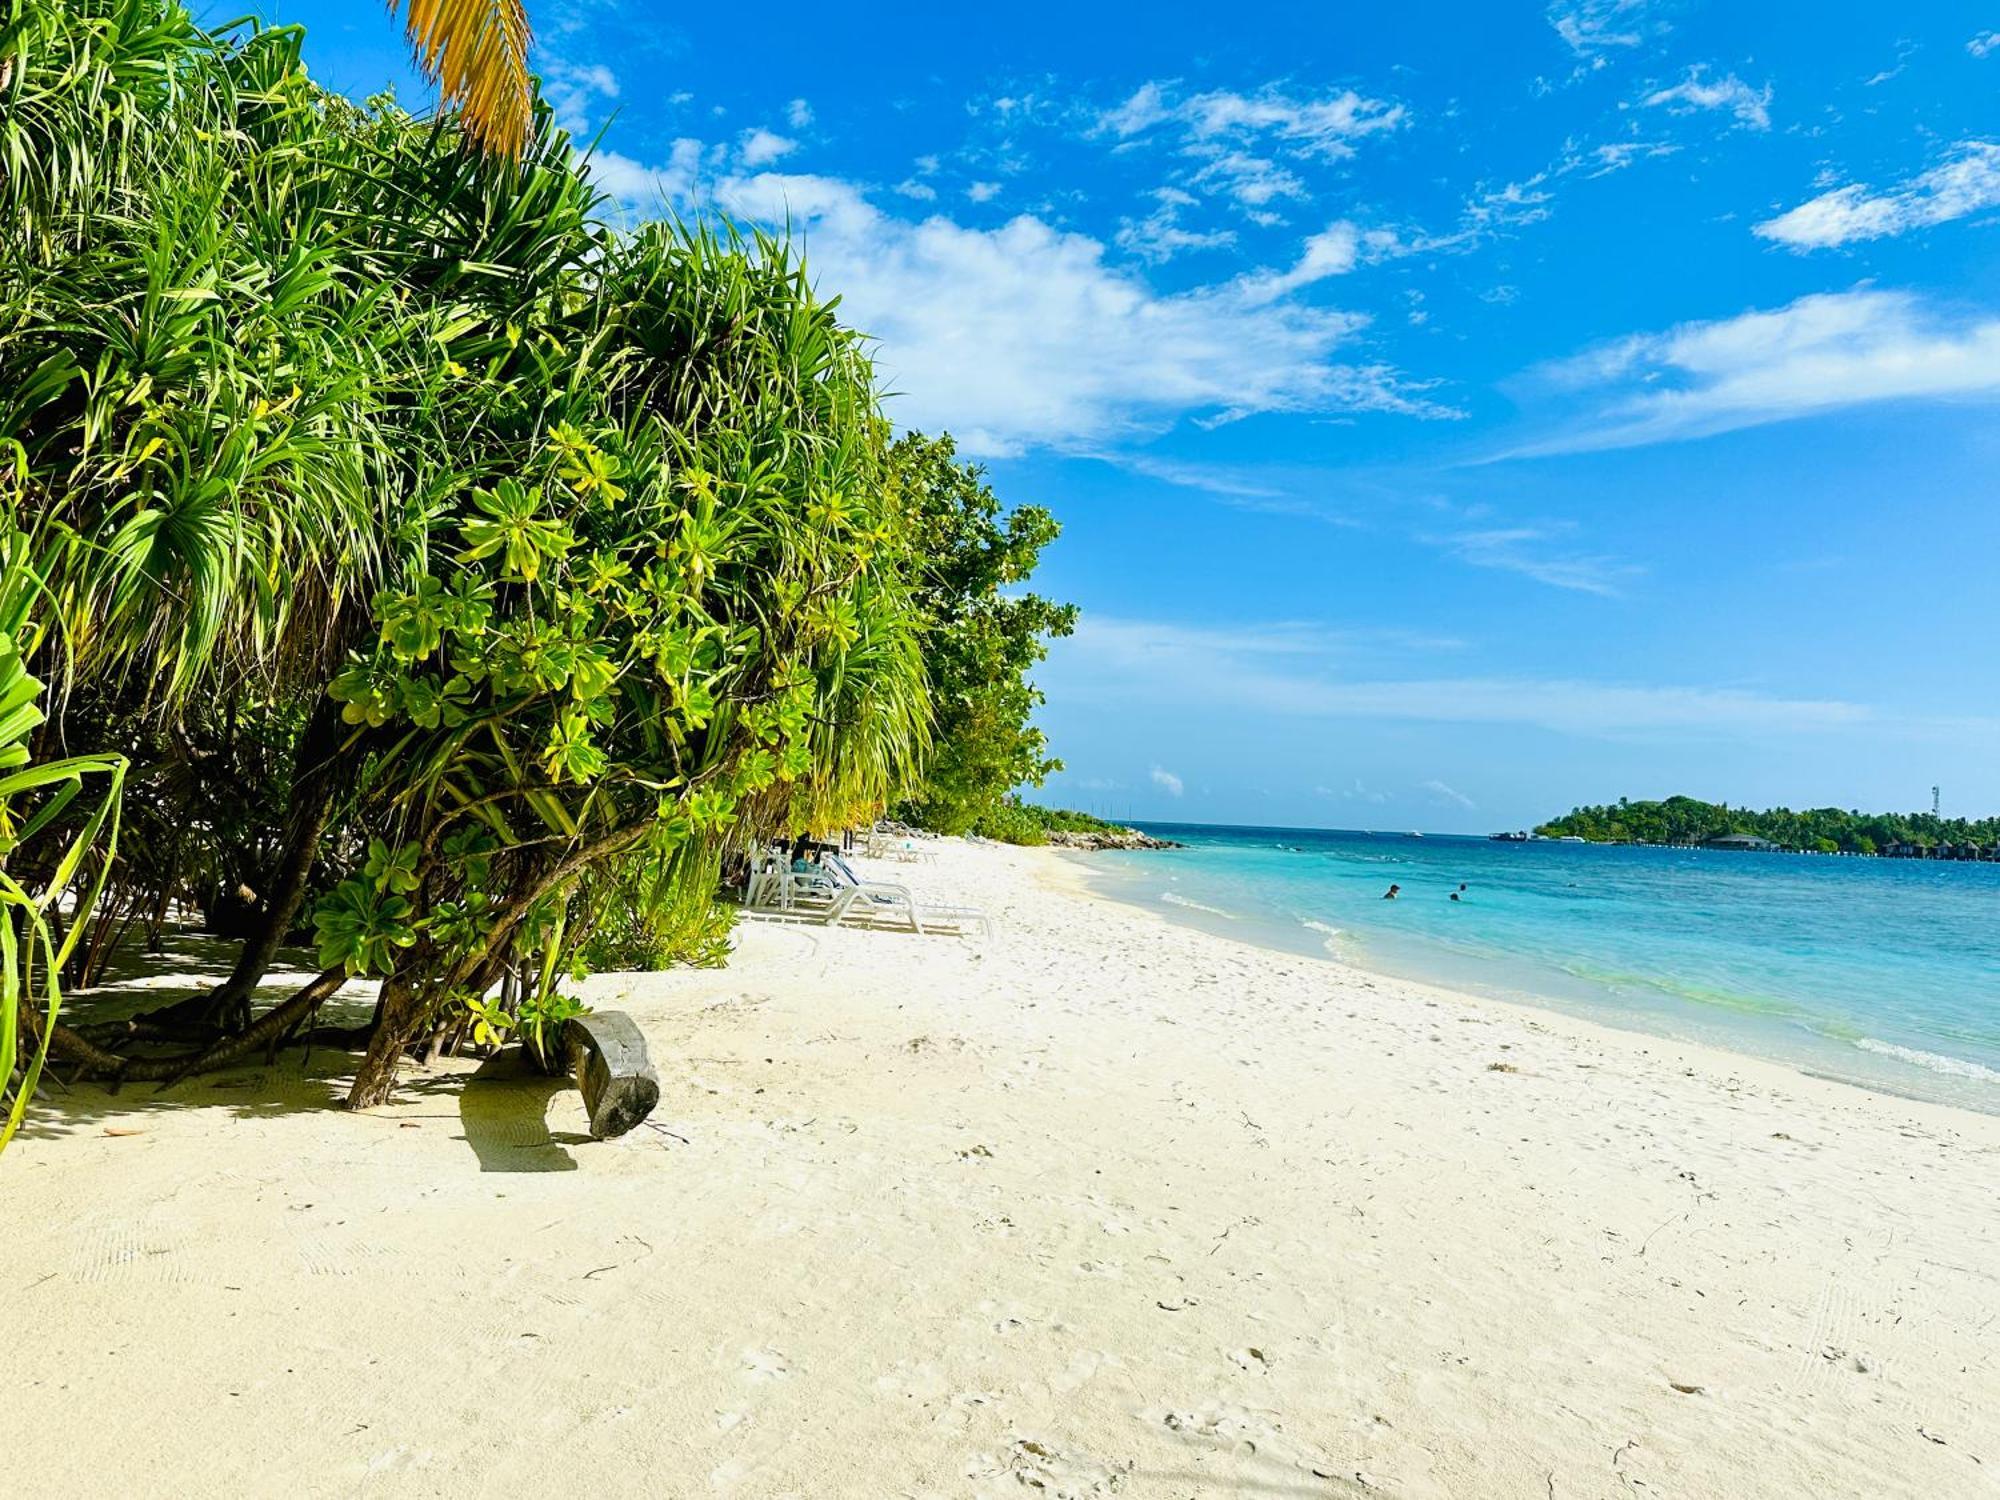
{"type": "Point", "coordinates": [405, 1007]}
{"type": "Point", "coordinates": [315, 780]}
{"type": "Point", "coordinates": [399, 1019]}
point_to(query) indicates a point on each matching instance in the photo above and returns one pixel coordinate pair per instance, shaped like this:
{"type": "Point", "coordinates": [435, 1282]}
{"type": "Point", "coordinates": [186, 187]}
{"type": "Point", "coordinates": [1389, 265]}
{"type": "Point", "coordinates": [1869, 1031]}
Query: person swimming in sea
{"type": "Point", "coordinates": [1459, 892]}
{"type": "Point", "coordinates": [1390, 894]}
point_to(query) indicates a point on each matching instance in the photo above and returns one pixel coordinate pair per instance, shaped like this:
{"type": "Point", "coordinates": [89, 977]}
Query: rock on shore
{"type": "Point", "coordinates": [1124, 838]}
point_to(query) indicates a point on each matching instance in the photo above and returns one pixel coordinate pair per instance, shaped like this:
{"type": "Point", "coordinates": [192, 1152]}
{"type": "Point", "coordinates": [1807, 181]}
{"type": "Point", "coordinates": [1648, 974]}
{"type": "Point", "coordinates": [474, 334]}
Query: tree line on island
{"type": "Point", "coordinates": [1819, 830]}
{"type": "Point", "coordinates": [400, 557]}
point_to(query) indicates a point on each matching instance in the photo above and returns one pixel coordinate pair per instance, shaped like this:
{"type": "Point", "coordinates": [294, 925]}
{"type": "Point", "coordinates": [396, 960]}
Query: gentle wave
{"type": "Point", "coordinates": [1330, 935]}
{"type": "Point", "coordinates": [1214, 911]}
{"type": "Point", "coordinates": [1936, 1062]}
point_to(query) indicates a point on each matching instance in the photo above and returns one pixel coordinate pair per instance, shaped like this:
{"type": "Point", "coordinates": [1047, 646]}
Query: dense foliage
{"type": "Point", "coordinates": [459, 577]}
{"type": "Point", "coordinates": [1013, 821]}
{"type": "Point", "coordinates": [1826, 830]}
{"type": "Point", "coordinates": [982, 635]}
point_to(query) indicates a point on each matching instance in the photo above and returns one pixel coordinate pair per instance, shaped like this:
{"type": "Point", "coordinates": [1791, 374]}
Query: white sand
{"type": "Point", "coordinates": [1100, 1206]}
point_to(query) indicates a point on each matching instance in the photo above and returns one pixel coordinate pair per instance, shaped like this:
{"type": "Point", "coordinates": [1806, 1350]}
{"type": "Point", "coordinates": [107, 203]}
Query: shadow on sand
{"type": "Point", "coordinates": [504, 1107]}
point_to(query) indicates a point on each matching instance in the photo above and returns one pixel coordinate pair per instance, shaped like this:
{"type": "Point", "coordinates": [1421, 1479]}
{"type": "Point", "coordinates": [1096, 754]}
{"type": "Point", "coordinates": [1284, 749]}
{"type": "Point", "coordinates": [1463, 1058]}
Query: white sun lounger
{"type": "Point", "coordinates": [834, 897]}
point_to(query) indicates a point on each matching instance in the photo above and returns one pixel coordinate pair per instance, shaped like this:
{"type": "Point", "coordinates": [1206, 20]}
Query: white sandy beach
{"type": "Point", "coordinates": [1099, 1206]}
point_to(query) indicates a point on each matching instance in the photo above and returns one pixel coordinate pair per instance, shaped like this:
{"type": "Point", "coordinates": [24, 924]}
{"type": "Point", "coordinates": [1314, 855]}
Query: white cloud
{"type": "Point", "coordinates": [1022, 336]}
{"type": "Point", "coordinates": [1537, 552]}
{"type": "Point", "coordinates": [761, 147]}
{"type": "Point", "coordinates": [1325, 126]}
{"type": "Point", "coordinates": [1322, 127]}
{"type": "Point", "coordinates": [983, 192]}
{"type": "Point", "coordinates": [1210, 670]}
{"type": "Point", "coordinates": [1966, 182]}
{"type": "Point", "coordinates": [1160, 236]}
{"type": "Point", "coordinates": [1167, 782]}
{"type": "Point", "coordinates": [1209, 478]}
{"type": "Point", "coordinates": [574, 89]}
{"type": "Point", "coordinates": [1359, 792]}
{"type": "Point", "coordinates": [798, 114]}
{"type": "Point", "coordinates": [1450, 794]}
{"type": "Point", "coordinates": [641, 188]}
{"type": "Point", "coordinates": [1592, 27]}
{"type": "Point", "coordinates": [1985, 44]}
{"type": "Point", "coordinates": [1251, 180]}
{"type": "Point", "coordinates": [923, 192]}
{"type": "Point", "coordinates": [1819, 354]}
{"type": "Point", "coordinates": [1334, 251]}
{"type": "Point", "coordinates": [1146, 108]}
{"type": "Point", "coordinates": [1697, 91]}
{"type": "Point", "coordinates": [1615, 156]}
{"type": "Point", "coordinates": [1509, 207]}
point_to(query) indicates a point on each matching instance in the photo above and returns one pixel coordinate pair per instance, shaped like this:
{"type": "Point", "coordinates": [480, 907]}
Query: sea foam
{"type": "Point", "coordinates": [1214, 911]}
{"type": "Point", "coordinates": [1936, 1062]}
{"type": "Point", "coordinates": [1330, 935]}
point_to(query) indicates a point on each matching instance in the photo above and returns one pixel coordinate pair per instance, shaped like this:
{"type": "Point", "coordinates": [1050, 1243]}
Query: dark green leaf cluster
{"type": "Point", "coordinates": [983, 635]}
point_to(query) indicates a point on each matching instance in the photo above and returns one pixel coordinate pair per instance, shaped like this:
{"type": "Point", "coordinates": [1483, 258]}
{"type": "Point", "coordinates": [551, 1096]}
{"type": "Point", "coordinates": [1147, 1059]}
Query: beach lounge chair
{"type": "Point", "coordinates": [833, 895]}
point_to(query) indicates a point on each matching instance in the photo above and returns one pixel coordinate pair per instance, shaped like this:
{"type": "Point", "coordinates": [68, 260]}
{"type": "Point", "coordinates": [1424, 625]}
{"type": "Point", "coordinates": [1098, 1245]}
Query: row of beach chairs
{"type": "Point", "coordinates": [832, 895]}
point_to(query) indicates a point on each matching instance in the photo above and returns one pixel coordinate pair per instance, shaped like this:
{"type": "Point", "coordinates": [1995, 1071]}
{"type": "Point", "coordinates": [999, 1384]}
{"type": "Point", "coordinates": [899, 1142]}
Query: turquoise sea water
{"type": "Point", "coordinates": [1881, 972]}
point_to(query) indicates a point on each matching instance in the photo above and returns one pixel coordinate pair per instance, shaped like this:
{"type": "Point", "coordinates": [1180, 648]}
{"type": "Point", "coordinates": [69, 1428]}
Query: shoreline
{"type": "Point", "coordinates": [1527, 1008]}
{"type": "Point", "coordinates": [1103, 1205]}
{"type": "Point", "coordinates": [1803, 1043]}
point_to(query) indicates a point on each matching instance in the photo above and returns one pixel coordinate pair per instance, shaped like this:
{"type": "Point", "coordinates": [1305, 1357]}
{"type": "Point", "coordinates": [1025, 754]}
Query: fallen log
{"type": "Point", "coordinates": [605, 1053]}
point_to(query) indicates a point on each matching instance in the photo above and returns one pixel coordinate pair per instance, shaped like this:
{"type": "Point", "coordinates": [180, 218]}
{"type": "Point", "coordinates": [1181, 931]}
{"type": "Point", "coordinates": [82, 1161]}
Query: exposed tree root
{"type": "Point", "coordinates": [270, 1030]}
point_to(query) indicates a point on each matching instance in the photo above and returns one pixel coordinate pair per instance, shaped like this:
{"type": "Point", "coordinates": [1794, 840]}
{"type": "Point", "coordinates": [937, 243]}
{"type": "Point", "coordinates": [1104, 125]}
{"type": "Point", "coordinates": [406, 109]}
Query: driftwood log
{"type": "Point", "coordinates": [605, 1053]}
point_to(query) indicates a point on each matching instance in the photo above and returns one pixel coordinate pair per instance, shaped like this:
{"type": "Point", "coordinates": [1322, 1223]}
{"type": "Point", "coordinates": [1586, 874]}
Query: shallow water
{"type": "Point", "coordinates": [1881, 972]}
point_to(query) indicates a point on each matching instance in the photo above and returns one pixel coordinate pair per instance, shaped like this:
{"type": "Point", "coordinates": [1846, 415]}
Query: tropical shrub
{"type": "Point", "coordinates": [982, 637]}
{"type": "Point", "coordinates": [464, 577]}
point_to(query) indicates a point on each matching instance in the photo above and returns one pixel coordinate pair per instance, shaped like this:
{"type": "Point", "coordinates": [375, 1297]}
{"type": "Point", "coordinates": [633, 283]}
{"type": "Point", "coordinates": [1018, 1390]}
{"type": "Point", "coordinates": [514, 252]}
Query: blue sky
{"type": "Point", "coordinates": [1456, 411]}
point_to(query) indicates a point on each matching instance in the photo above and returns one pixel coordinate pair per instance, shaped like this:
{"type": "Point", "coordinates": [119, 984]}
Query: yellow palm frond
{"type": "Point", "coordinates": [476, 52]}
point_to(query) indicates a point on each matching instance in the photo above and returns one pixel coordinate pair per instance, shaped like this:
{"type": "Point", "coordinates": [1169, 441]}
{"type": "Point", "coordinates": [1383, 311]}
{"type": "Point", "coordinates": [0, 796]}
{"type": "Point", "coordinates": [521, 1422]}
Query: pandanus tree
{"type": "Point", "coordinates": [451, 568]}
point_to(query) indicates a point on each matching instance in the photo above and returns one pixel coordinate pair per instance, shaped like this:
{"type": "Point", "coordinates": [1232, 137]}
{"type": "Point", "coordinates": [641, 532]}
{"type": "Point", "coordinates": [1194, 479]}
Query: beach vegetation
{"type": "Point", "coordinates": [462, 578]}
{"type": "Point", "coordinates": [984, 633]}
{"type": "Point", "coordinates": [1824, 830]}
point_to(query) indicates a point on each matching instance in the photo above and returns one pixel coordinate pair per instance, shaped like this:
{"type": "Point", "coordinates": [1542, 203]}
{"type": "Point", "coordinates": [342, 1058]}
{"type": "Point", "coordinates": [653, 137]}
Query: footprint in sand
{"type": "Point", "coordinates": [1256, 1361]}
{"type": "Point", "coordinates": [765, 1364]}
{"type": "Point", "coordinates": [1036, 1463]}
{"type": "Point", "coordinates": [1245, 1433]}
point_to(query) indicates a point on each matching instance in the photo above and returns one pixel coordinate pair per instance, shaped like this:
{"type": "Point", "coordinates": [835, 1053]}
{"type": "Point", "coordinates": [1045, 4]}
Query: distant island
{"type": "Point", "coordinates": [1818, 830]}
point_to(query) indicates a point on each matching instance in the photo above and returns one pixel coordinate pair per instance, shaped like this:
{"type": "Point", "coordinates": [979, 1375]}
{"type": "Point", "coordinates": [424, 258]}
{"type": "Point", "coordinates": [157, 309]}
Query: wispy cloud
{"type": "Point", "coordinates": [1360, 791]}
{"type": "Point", "coordinates": [1591, 28]}
{"type": "Point", "coordinates": [798, 114]}
{"type": "Point", "coordinates": [1334, 251]}
{"type": "Point", "coordinates": [1167, 781]}
{"type": "Point", "coordinates": [1541, 553]}
{"type": "Point", "coordinates": [1450, 794]}
{"type": "Point", "coordinates": [1699, 91]}
{"type": "Point", "coordinates": [1161, 235]}
{"type": "Point", "coordinates": [1249, 147]}
{"type": "Point", "coordinates": [1966, 182]}
{"type": "Point", "coordinates": [1819, 354]}
{"type": "Point", "coordinates": [1213, 479]}
{"type": "Point", "coordinates": [1163, 642]}
{"type": "Point", "coordinates": [1253, 669]}
{"type": "Point", "coordinates": [1985, 44]}
{"type": "Point", "coordinates": [1325, 125]}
